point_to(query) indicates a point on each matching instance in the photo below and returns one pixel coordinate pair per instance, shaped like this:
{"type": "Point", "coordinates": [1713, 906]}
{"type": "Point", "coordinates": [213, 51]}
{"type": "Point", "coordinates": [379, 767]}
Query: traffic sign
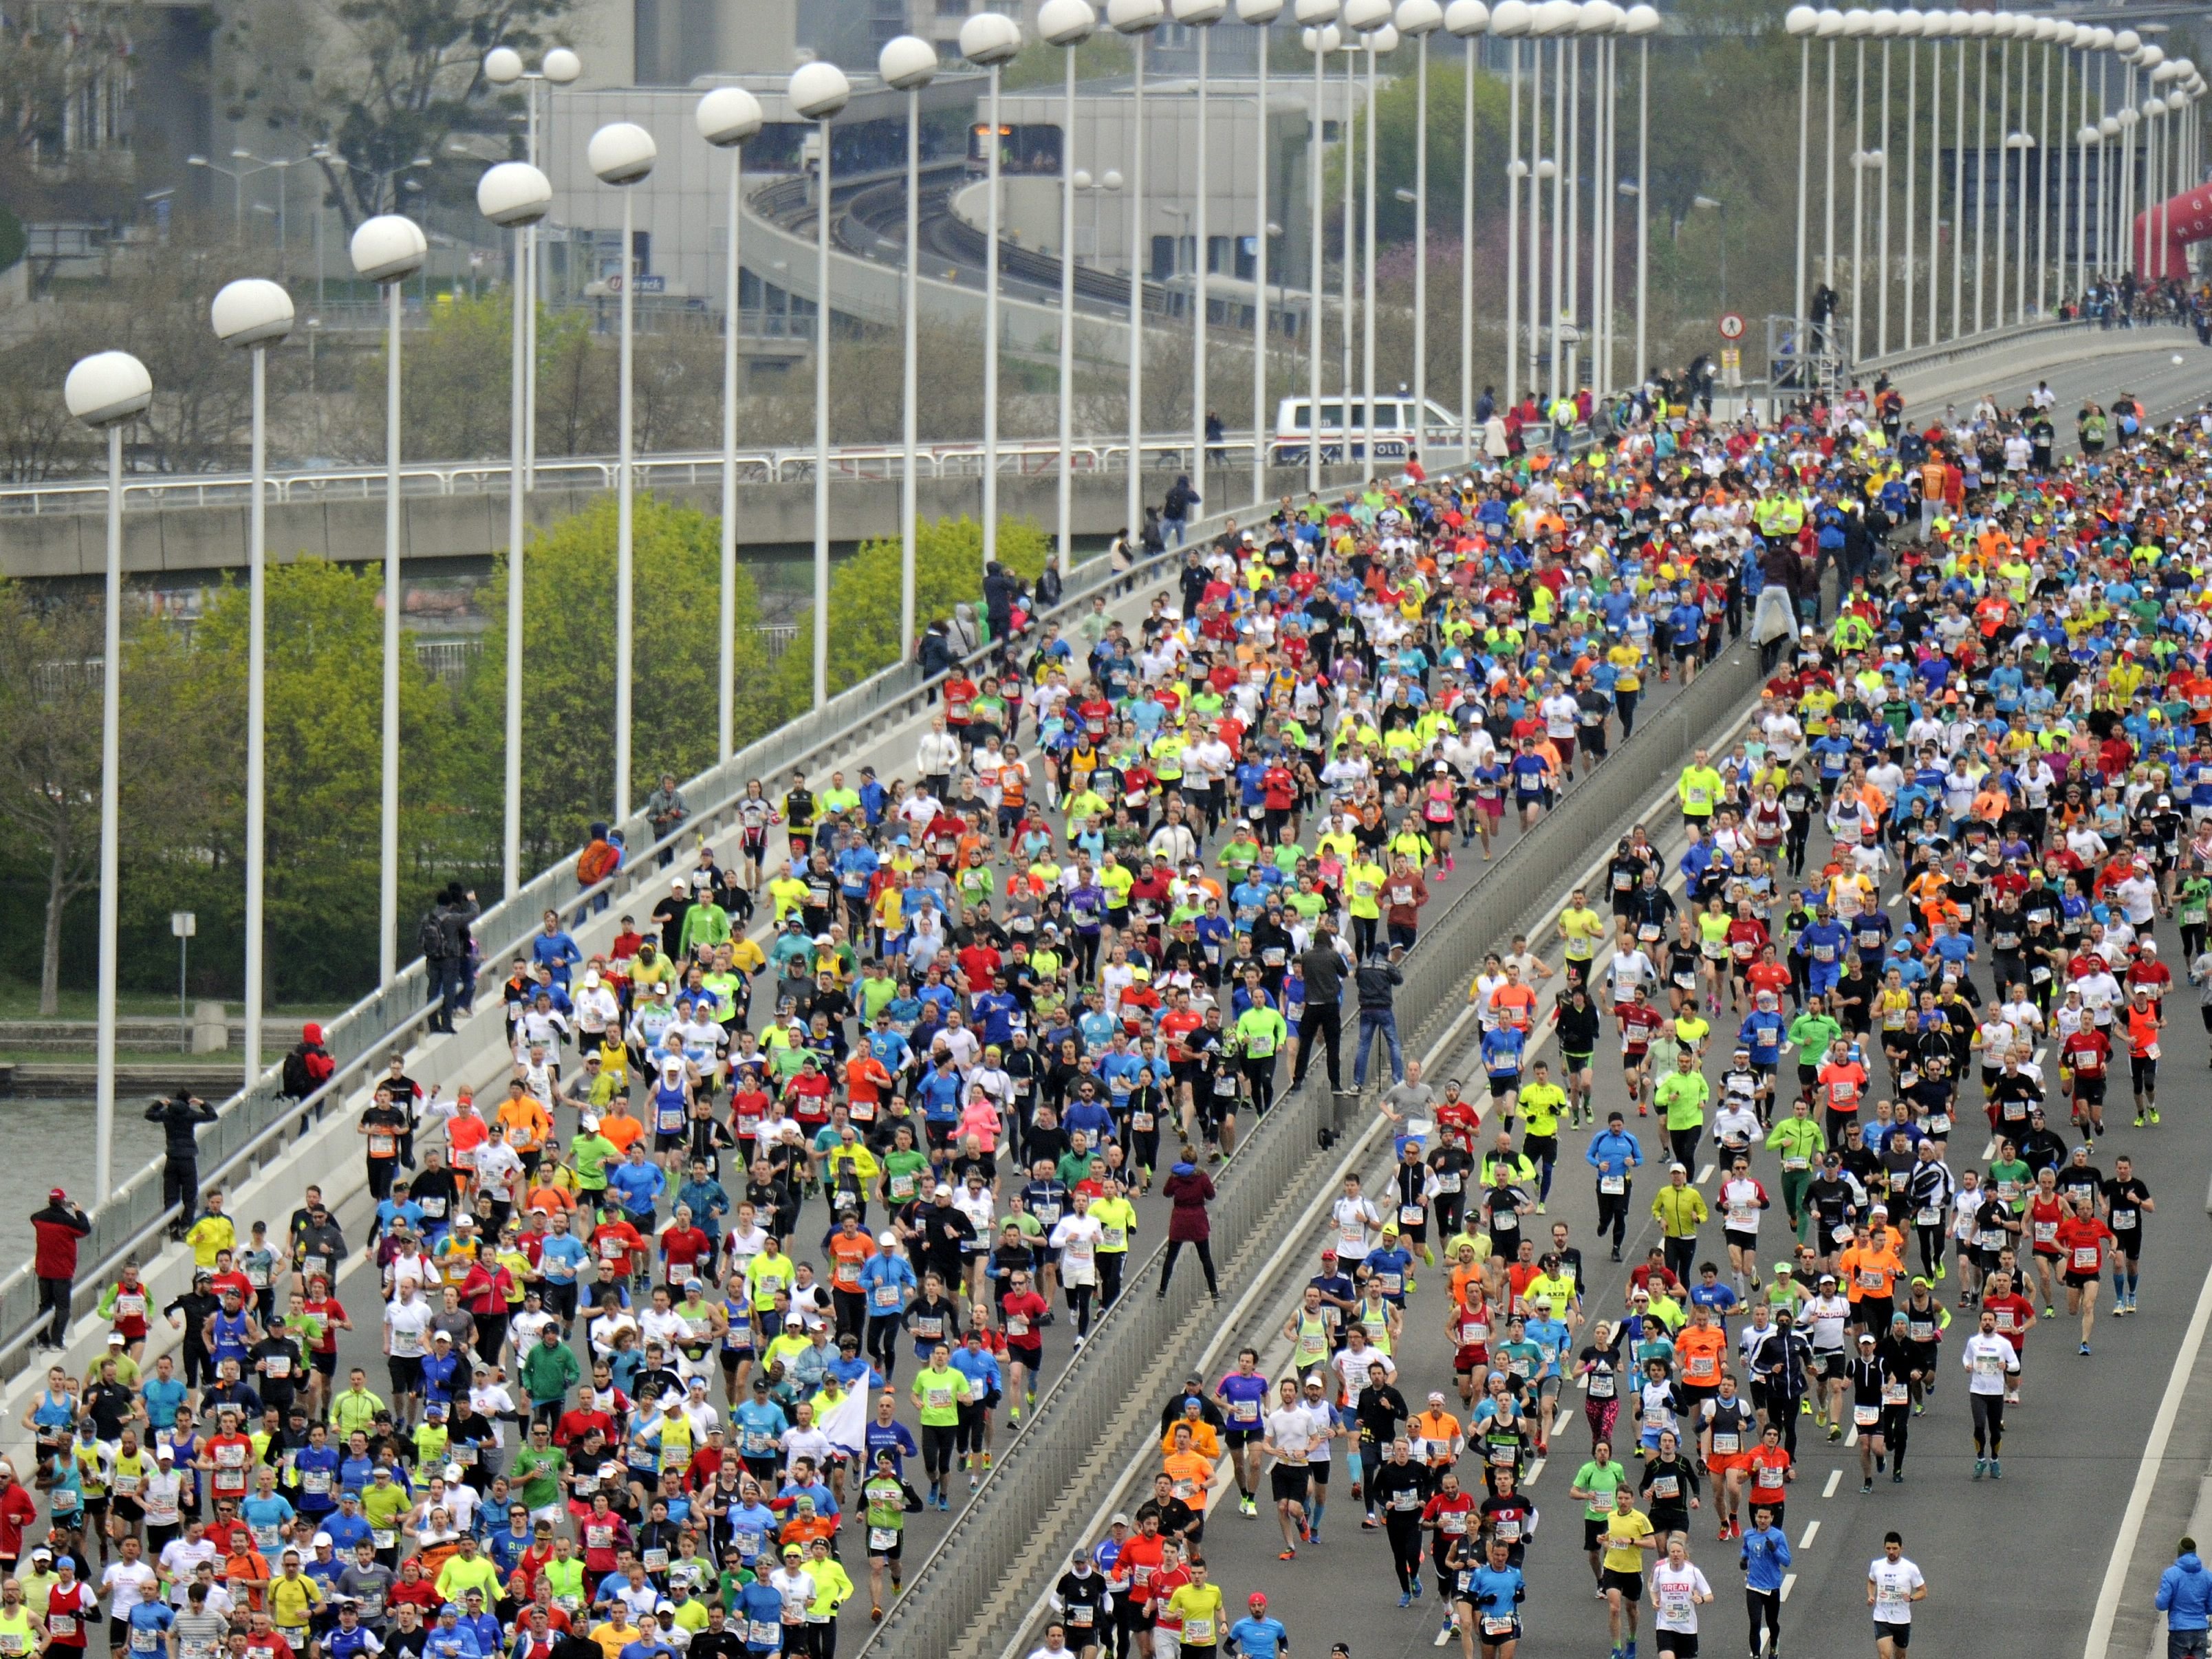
{"type": "Point", "coordinates": [1732, 325]}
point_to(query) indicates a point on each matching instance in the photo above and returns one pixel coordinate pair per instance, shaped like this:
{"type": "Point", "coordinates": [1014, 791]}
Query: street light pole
{"type": "Point", "coordinates": [1420, 18]}
{"type": "Point", "coordinates": [107, 390]}
{"type": "Point", "coordinates": [726, 117]}
{"type": "Point", "coordinates": [1136, 19]}
{"type": "Point", "coordinates": [622, 154]}
{"type": "Point", "coordinates": [502, 67]}
{"type": "Point", "coordinates": [1320, 39]}
{"type": "Point", "coordinates": [387, 250]}
{"type": "Point", "coordinates": [253, 315]}
{"type": "Point", "coordinates": [1644, 23]}
{"type": "Point", "coordinates": [818, 92]}
{"type": "Point", "coordinates": [988, 39]}
{"type": "Point", "coordinates": [1469, 19]}
{"type": "Point", "coordinates": [1260, 15]}
{"type": "Point", "coordinates": [1066, 24]}
{"type": "Point", "coordinates": [1200, 16]}
{"type": "Point", "coordinates": [1510, 23]}
{"type": "Point", "coordinates": [1800, 21]}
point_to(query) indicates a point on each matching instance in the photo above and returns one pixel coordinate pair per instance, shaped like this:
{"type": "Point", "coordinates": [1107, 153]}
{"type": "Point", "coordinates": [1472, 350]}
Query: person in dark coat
{"type": "Point", "coordinates": [1189, 1190]}
{"type": "Point", "coordinates": [999, 591]}
{"type": "Point", "coordinates": [57, 1228]}
{"type": "Point", "coordinates": [180, 1117]}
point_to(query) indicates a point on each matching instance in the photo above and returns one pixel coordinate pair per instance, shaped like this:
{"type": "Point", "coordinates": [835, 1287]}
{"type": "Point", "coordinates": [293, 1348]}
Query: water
{"type": "Point", "coordinates": [55, 1139]}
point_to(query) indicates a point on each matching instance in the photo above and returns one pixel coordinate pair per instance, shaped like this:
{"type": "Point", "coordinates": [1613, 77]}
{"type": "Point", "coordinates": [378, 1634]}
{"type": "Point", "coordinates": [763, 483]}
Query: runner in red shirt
{"type": "Point", "coordinates": [2086, 1053]}
{"type": "Point", "coordinates": [228, 1458]}
{"type": "Point", "coordinates": [2015, 1317]}
{"type": "Point", "coordinates": [2082, 1236]}
{"type": "Point", "coordinates": [1637, 1020]}
{"type": "Point", "coordinates": [1769, 1464]}
{"type": "Point", "coordinates": [2045, 1210]}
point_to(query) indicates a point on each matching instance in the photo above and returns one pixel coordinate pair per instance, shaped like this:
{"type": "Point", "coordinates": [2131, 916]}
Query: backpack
{"type": "Point", "coordinates": [595, 863]}
{"type": "Point", "coordinates": [298, 1082]}
{"type": "Point", "coordinates": [429, 936]}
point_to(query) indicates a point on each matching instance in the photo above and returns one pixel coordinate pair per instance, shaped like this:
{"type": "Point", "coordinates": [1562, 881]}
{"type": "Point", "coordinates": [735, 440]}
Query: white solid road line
{"type": "Point", "coordinates": [1835, 1480]}
{"type": "Point", "coordinates": [1812, 1531]}
{"type": "Point", "coordinates": [1704, 1175]}
{"type": "Point", "coordinates": [1789, 1583]}
{"type": "Point", "coordinates": [2153, 1453]}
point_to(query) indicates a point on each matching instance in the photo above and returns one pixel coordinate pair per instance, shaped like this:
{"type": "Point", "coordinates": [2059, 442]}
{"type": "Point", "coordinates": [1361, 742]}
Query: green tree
{"type": "Point", "coordinates": [51, 696]}
{"type": "Point", "coordinates": [864, 598]}
{"type": "Point", "coordinates": [569, 668]}
{"type": "Point", "coordinates": [324, 803]}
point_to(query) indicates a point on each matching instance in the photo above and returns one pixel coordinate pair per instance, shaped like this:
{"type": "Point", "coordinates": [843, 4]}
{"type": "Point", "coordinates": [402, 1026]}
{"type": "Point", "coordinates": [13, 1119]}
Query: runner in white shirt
{"type": "Point", "coordinates": [128, 1582]}
{"type": "Point", "coordinates": [1678, 1590]}
{"type": "Point", "coordinates": [1893, 1585]}
{"type": "Point", "coordinates": [1992, 1362]}
{"type": "Point", "coordinates": [1357, 1222]}
{"type": "Point", "coordinates": [1291, 1433]}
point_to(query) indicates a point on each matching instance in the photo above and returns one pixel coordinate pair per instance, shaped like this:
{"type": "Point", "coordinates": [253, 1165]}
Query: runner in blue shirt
{"type": "Point", "coordinates": [1765, 1558]}
{"type": "Point", "coordinates": [1493, 1594]}
{"type": "Point", "coordinates": [1256, 1636]}
{"type": "Point", "coordinates": [1242, 1396]}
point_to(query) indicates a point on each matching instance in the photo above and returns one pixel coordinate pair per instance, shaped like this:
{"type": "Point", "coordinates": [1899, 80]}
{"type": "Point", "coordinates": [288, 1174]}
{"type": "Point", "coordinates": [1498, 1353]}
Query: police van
{"type": "Point", "coordinates": [1392, 431]}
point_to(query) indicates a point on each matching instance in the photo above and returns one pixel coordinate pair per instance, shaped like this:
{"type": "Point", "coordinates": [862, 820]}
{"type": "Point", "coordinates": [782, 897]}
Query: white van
{"type": "Point", "coordinates": [1392, 429]}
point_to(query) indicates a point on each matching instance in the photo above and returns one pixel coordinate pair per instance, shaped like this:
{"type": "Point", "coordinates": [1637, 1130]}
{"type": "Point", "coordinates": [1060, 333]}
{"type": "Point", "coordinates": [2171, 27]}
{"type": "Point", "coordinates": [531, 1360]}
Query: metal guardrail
{"type": "Point", "coordinates": [955, 1601]}
{"type": "Point", "coordinates": [1998, 339]}
{"type": "Point", "coordinates": [253, 1127]}
{"type": "Point", "coordinates": [689, 468]}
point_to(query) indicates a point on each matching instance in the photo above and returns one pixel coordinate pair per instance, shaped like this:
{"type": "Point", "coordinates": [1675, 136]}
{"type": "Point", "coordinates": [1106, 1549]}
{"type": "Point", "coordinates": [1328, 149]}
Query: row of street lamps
{"type": "Point", "coordinates": [2143, 140]}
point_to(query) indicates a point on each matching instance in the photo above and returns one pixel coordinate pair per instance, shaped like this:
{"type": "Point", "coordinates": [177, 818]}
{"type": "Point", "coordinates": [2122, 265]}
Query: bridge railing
{"type": "Point", "coordinates": [689, 469]}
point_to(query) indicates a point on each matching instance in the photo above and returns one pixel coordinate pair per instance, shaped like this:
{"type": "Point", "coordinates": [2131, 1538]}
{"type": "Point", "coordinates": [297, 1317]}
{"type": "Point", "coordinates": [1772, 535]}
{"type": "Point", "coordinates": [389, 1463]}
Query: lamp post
{"type": "Point", "coordinates": [1885, 30]}
{"type": "Point", "coordinates": [2020, 144]}
{"type": "Point", "coordinates": [1066, 24]}
{"type": "Point", "coordinates": [1857, 25]}
{"type": "Point", "coordinates": [253, 314]}
{"type": "Point", "coordinates": [726, 117]}
{"type": "Point", "coordinates": [1911, 27]}
{"type": "Point", "coordinates": [1829, 26]}
{"type": "Point", "coordinates": [818, 92]}
{"type": "Point", "coordinates": [1378, 42]}
{"type": "Point", "coordinates": [1200, 16]}
{"type": "Point", "coordinates": [515, 196]}
{"type": "Point", "coordinates": [107, 390]}
{"type": "Point", "coordinates": [907, 63]}
{"type": "Point", "coordinates": [1421, 19]}
{"type": "Point", "coordinates": [1470, 20]}
{"type": "Point", "coordinates": [2003, 25]}
{"type": "Point", "coordinates": [387, 250]}
{"type": "Point", "coordinates": [1320, 39]}
{"type": "Point", "coordinates": [1800, 21]}
{"type": "Point", "coordinates": [1510, 21]}
{"type": "Point", "coordinates": [622, 154]}
{"type": "Point", "coordinates": [1260, 15]}
{"type": "Point", "coordinates": [1136, 19]}
{"type": "Point", "coordinates": [1643, 24]}
{"type": "Point", "coordinates": [560, 67]}
{"type": "Point", "coordinates": [988, 40]}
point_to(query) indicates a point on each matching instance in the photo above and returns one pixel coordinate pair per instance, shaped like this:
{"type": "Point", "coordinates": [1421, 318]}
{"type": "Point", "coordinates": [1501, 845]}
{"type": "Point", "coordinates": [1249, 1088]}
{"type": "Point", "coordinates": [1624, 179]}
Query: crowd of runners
{"type": "Point", "coordinates": [795, 1197]}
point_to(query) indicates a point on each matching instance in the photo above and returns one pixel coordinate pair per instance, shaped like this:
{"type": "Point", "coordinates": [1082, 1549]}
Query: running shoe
{"type": "Point", "coordinates": [1405, 1598]}
{"type": "Point", "coordinates": [2154, 1115]}
{"type": "Point", "coordinates": [2139, 1119]}
{"type": "Point", "coordinates": [1996, 1470]}
{"type": "Point", "coordinates": [1246, 1506]}
{"type": "Point", "coordinates": [1981, 1467]}
{"type": "Point", "coordinates": [2085, 1350]}
{"type": "Point", "coordinates": [1287, 1555]}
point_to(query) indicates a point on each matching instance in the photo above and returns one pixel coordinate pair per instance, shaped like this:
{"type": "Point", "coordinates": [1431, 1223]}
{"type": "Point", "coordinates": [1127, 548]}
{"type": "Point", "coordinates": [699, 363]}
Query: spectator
{"type": "Point", "coordinates": [1190, 1190]}
{"type": "Point", "coordinates": [180, 1117]}
{"type": "Point", "coordinates": [57, 1227]}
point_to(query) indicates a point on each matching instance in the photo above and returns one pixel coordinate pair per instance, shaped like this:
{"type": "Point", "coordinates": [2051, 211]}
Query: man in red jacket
{"type": "Point", "coordinates": [57, 1227]}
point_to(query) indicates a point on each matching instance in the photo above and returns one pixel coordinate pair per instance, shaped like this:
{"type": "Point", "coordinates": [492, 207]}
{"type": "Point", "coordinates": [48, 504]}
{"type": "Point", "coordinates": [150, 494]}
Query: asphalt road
{"type": "Point", "coordinates": [2012, 1567]}
{"type": "Point", "coordinates": [2126, 360]}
